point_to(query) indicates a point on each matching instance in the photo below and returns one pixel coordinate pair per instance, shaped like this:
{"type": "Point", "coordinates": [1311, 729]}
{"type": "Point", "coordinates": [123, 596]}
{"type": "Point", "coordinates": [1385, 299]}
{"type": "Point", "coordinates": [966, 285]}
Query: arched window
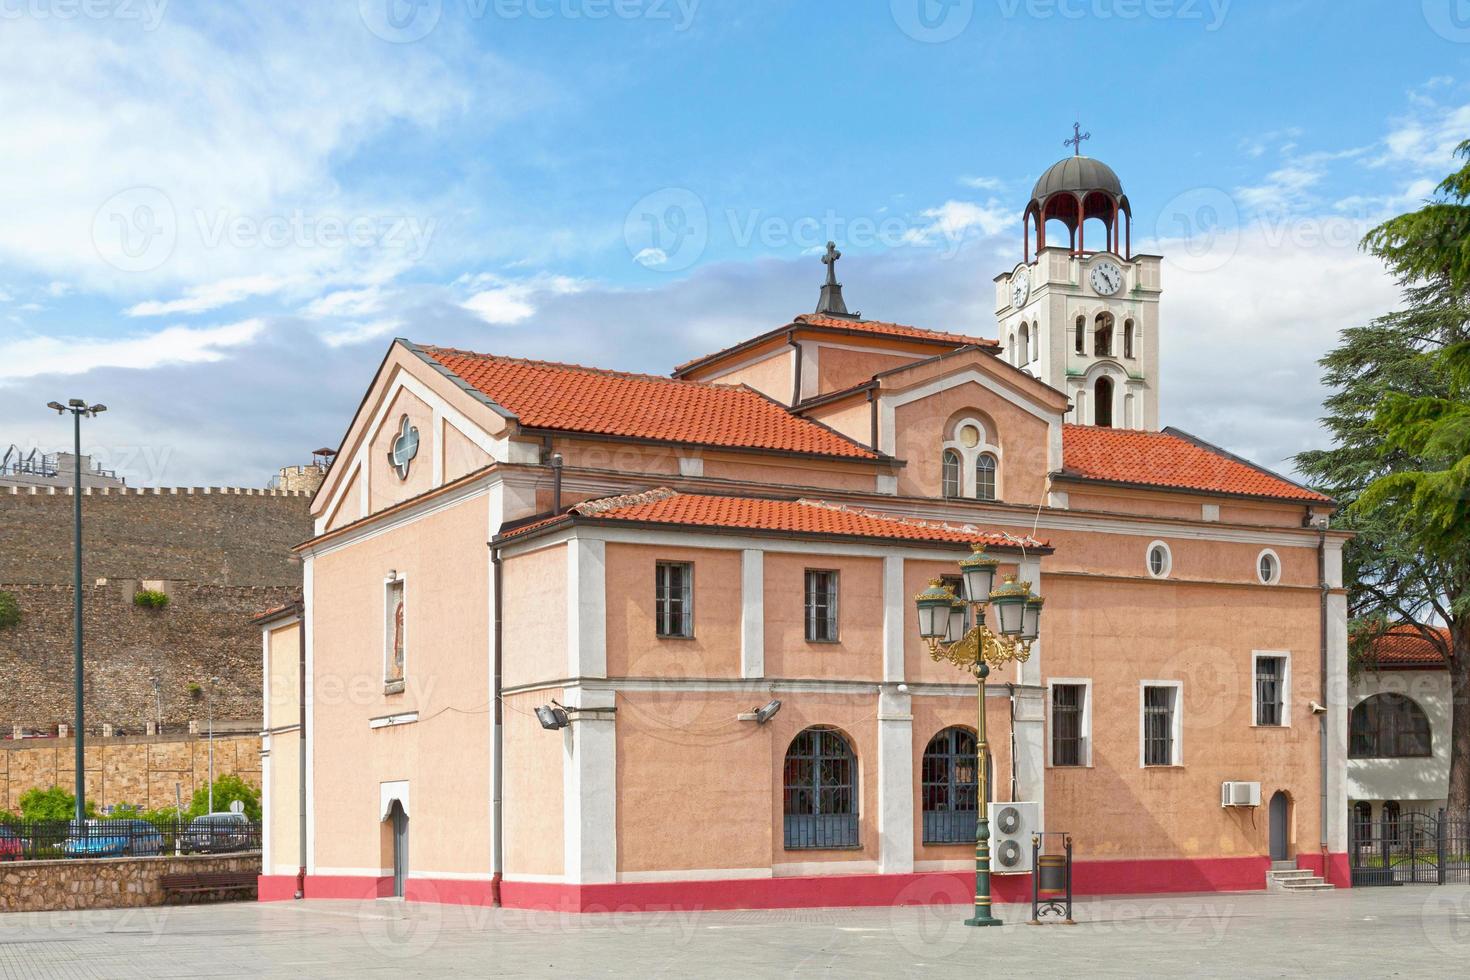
{"type": "Point", "coordinates": [1081, 333]}
{"type": "Point", "coordinates": [949, 787]}
{"type": "Point", "coordinates": [1102, 406]}
{"type": "Point", "coordinates": [820, 798]}
{"type": "Point", "coordinates": [1102, 336]}
{"type": "Point", "coordinates": [985, 477]}
{"type": "Point", "coordinates": [1389, 726]}
{"type": "Point", "coordinates": [1391, 816]}
{"type": "Point", "coordinates": [1128, 338]}
{"type": "Point", "coordinates": [1023, 345]}
{"type": "Point", "coordinates": [951, 475]}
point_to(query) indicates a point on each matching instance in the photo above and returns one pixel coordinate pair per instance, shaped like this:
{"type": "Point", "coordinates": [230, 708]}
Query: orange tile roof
{"type": "Point", "coordinates": [877, 328]}
{"type": "Point", "coordinates": [572, 398]}
{"type": "Point", "coordinates": [1404, 646]}
{"type": "Point", "coordinates": [794, 517]}
{"type": "Point", "coordinates": [1170, 459]}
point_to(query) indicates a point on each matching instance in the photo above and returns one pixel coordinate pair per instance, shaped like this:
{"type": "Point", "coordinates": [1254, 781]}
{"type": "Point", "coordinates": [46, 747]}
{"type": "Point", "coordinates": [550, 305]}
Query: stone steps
{"type": "Point", "coordinates": [1292, 879]}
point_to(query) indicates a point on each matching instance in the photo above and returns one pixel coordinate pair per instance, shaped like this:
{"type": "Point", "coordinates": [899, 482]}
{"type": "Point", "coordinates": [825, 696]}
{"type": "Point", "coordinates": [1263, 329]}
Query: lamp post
{"type": "Point", "coordinates": [78, 408]}
{"type": "Point", "coordinates": [209, 705]}
{"type": "Point", "coordinates": [965, 640]}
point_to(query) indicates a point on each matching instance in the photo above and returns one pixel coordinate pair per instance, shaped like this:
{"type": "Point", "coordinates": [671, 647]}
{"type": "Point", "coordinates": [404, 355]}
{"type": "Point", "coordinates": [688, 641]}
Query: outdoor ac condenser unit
{"type": "Point", "coordinates": [1011, 827]}
{"type": "Point", "coordinates": [1240, 794]}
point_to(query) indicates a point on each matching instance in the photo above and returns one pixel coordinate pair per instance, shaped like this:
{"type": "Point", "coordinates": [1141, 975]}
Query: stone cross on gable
{"type": "Point", "coordinates": [830, 261]}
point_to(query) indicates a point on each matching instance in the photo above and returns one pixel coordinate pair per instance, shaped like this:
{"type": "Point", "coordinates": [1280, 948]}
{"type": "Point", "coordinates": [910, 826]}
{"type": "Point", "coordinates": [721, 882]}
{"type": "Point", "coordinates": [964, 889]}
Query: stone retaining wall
{"type": "Point", "coordinates": [111, 883]}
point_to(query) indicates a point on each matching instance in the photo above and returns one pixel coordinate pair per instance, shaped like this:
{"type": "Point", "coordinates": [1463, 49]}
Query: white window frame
{"type": "Point", "coordinates": [969, 454]}
{"type": "Point", "coordinates": [1276, 563]}
{"type": "Point", "coordinates": [1148, 564]}
{"type": "Point", "coordinates": [400, 579]}
{"type": "Point", "coordinates": [833, 605]}
{"type": "Point", "coordinates": [1176, 728]}
{"type": "Point", "coordinates": [1086, 728]}
{"type": "Point", "coordinates": [1285, 656]}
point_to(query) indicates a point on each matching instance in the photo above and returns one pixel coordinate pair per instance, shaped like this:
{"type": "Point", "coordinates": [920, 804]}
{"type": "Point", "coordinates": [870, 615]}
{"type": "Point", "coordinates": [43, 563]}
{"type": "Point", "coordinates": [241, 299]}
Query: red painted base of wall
{"type": "Point", "coordinates": [1135, 877]}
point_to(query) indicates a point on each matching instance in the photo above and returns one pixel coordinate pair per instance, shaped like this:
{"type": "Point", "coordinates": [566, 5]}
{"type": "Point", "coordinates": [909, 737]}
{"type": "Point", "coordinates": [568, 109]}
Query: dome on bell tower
{"type": "Point", "coordinates": [1077, 175]}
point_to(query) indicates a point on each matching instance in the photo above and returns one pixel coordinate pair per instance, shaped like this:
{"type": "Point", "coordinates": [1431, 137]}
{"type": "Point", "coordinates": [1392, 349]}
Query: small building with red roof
{"type": "Point", "coordinates": [581, 638]}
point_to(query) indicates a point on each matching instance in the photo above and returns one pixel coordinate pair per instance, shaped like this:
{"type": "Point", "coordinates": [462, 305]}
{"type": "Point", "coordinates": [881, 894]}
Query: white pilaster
{"type": "Point", "coordinates": [589, 788]}
{"type": "Point", "coordinates": [893, 607]}
{"type": "Point", "coordinates": [586, 608]}
{"type": "Point", "coordinates": [895, 782]}
{"type": "Point", "coordinates": [309, 610]}
{"type": "Point", "coordinates": [752, 613]}
{"type": "Point", "coordinates": [1030, 671]}
{"type": "Point", "coordinates": [1029, 709]}
{"type": "Point", "coordinates": [1337, 722]}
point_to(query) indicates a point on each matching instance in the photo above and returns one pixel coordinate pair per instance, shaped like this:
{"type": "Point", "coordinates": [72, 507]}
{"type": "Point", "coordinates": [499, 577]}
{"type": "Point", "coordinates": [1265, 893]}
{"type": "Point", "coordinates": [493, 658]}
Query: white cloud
{"type": "Point", "coordinates": [503, 302]}
{"type": "Point", "coordinates": [982, 183]}
{"type": "Point", "coordinates": [357, 333]}
{"type": "Point", "coordinates": [955, 220]}
{"type": "Point", "coordinates": [651, 257]}
{"type": "Point", "coordinates": [28, 357]}
{"type": "Point", "coordinates": [202, 299]}
{"type": "Point", "coordinates": [346, 302]}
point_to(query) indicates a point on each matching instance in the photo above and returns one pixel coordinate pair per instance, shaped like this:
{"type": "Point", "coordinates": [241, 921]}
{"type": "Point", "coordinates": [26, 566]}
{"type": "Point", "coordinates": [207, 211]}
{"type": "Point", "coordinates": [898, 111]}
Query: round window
{"type": "Point", "coordinates": [969, 437]}
{"type": "Point", "coordinates": [1268, 567]}
{"type": "Point", "coordinates": [1159, 559]}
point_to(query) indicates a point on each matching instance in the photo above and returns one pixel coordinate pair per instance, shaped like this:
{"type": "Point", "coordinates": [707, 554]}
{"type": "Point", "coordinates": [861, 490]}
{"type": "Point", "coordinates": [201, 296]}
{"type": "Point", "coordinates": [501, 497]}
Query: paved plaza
{"type": "Point", "coordinates": [1407, 931]}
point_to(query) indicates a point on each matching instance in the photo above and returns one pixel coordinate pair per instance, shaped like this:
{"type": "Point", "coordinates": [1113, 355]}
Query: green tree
{"type": "Point", "coordinates": [227, 789]}
{"type": "Point", "coordinates": [51, 804]}
{"type": "Point", "coordinates": [1398, 416]}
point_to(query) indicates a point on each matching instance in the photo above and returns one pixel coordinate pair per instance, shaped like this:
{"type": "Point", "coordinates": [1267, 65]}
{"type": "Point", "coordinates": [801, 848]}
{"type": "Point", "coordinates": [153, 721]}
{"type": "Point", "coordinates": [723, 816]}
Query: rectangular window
{"type": "Point", "coordinates": [821, 606]}
{"type": "Point", "coordinates": [1270, 690]}
{"type": "Point", "coordinates": [395, 639]}
{"type": "Point", "coordinates": [674, 593]}
{"type": "Point", "coordinates": [1160, 725]}
{"type": "Point", "coordinates": [1068, 702]}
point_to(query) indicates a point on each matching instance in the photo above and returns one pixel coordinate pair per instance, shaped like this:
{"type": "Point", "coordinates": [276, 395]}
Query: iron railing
{"type": "Point", "coordinates": [44, 840]}
{"type": "Point", "coordinates": [1410, 848]}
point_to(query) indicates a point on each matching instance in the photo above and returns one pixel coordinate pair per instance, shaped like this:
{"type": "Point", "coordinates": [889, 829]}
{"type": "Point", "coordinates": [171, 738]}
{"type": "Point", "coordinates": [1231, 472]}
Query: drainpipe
{"type": "Point", "coordinates": [556, 463]}
{"type": "Point", "coordinates": [301, 751]}
{"type": "Point", "coordinates": [796, 370]}
{"type": "Point", "coordinates": [497, 751]}
{"type": "Point", "coordinates": [1011, 694]}
{"type": "Point", "coordinates": [873, 419]}
{"type": "Point", "coordinates": [1322, 678]}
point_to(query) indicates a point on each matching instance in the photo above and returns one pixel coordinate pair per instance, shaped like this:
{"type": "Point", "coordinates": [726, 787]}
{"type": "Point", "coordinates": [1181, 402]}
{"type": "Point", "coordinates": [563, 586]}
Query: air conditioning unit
{"type": "Point", "coordinates": [1240, 794]}
{"type": "Point", "coordinates": [1011, 827]}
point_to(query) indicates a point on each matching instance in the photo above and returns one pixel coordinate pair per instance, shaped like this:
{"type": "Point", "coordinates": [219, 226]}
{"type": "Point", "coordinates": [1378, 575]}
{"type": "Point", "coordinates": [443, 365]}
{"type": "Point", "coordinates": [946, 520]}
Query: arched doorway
{"type": "Point", "coordinates": [1279, 818]}
{"type": "Point", "coordinates": [397, 821]}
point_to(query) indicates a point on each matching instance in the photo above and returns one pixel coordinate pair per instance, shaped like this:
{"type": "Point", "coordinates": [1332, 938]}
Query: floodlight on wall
{"type": "Point", "coordinates": [552, 716]}
{"type": "Point", "coordinates": [762, 714]}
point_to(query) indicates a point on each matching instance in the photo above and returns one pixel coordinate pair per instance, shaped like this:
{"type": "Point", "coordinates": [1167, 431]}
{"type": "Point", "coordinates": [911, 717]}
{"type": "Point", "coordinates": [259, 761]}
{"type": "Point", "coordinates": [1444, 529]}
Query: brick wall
{"type": "Point", "coordinates": [222, 557]}
{"type": "Point", "coordinates": [142, 771]}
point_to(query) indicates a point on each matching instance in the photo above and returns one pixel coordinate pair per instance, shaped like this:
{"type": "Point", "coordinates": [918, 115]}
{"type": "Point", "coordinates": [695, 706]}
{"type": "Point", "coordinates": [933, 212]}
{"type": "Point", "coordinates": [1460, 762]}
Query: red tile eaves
{"type": "Point", "coordinates": [573, 398]}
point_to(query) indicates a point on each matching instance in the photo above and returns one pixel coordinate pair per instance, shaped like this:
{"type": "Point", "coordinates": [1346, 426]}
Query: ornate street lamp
{"type": "Point", "coordinates": [945, 624]}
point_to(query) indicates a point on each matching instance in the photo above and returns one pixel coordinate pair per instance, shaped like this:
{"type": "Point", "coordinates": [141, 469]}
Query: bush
{"type": "Point", "coordinates": [51, 804]}
{"type": "Point", "coordinates": [227, 789]}
{"type": "Point", "coordinates": [150, 599]}
{"type": "Point", "coordinates": [9, 610]}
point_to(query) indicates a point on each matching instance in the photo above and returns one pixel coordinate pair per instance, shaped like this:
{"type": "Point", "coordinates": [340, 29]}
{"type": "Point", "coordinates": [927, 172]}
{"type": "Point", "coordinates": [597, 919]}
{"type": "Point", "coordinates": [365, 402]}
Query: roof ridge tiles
{"type": "Point", "coordinates": [587, 368]}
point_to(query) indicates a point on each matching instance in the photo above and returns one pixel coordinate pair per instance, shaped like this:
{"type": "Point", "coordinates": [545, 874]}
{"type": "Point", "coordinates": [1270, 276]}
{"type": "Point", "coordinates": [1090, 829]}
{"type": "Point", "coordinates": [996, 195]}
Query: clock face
{"type": "Point", "coordinates": [1020, 287]}
{"type": "Point", "coordinates": [1106, 278]}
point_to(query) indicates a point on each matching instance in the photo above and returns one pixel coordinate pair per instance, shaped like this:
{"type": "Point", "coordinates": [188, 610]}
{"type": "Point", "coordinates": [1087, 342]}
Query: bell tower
{"type": "Point", "coordinates": [1084, 320]}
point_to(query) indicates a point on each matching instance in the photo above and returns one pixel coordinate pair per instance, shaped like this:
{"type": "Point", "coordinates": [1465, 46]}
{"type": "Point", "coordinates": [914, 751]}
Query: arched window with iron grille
{"type": "Point", "coordinates": [949, 786]}
{"type": "Point", "coordinates": [1389, 726]}
{"type": "Point", "coordinates": [820, 791]}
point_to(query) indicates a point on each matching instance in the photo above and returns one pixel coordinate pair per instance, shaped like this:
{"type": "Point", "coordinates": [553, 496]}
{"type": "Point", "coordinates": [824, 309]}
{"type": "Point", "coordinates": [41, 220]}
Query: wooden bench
{"type": "Point", "coordinates": [207, 881]}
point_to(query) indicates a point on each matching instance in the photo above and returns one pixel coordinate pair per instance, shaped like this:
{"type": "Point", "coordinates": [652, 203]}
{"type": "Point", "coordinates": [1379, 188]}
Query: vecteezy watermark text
{"type": "Point", "coordinates": [148, 13]}
{"type": "Point", "coordinates": [406, 21]}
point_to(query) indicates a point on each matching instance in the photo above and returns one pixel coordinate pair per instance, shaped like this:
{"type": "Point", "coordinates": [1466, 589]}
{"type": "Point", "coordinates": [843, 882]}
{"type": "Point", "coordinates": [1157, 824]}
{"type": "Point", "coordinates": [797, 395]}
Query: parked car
{"type": "Point", "coordinates": [113, 838]}
{"type": "Point", "coordinates": [11, 847]}
{"type": "Point", "coordinates": [215, 833]}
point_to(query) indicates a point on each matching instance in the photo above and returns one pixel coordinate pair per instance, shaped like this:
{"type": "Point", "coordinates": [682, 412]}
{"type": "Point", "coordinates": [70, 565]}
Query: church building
{"type": "Point", "coordinates": [582, 639]}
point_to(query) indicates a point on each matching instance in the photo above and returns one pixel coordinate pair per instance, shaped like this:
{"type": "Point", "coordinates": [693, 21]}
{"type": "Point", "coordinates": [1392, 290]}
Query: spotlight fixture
{"type": "Point", "coordinates": [552, 716]}
{"type": "Point", "coordinates": [762, 714]}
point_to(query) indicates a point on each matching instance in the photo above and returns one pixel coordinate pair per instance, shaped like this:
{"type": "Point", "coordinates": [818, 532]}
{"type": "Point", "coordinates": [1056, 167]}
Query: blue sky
{"type": "Point", "coordinates": [216, 217]}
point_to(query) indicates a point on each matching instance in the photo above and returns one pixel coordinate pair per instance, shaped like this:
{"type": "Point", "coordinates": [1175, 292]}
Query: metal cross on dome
{"type": "Point", "coordinates": [1077, 137]}
{"type": "Point", "coordinates": [405, 448]}
{"type": "Point", "coordinates": [830, 261]}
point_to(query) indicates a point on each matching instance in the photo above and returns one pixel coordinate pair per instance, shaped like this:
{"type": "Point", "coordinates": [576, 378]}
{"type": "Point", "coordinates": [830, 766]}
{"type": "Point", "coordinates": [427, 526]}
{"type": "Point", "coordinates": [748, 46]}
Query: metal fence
{"type": "Point", "coordinates": [1410, 848]}
{"type": "Point", "coordinates": [60, 839]}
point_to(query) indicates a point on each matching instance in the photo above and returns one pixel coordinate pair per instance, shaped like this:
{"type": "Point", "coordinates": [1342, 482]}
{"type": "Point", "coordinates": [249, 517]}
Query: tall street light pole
{"type": "Point", "coordinates": [78, 408]}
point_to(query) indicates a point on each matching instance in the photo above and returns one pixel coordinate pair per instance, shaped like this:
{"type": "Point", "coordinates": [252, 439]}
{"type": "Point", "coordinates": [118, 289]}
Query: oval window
{"type": "Point", "coordinates": [1160, 561]}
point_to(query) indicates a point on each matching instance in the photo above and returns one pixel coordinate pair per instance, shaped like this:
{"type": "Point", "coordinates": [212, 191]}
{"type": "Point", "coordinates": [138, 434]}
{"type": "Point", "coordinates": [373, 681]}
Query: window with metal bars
{"type": "Point", "coordinates": [820, 792]}
{"type": "Point", "coordinates": [674, 598]}
{"type": "Point", "coordinates": [1389, 726]}
{"type": "Point", "coordinates": [949, 787]}
{"type": "Point", "coordinates": [1158, 726]}
{"type": "Point", "coordinates": [821, 606]}
{"type": "Point", "coordinates": [1270, 689]}
{"type": "Point", "coordinates": [1066, 724]}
